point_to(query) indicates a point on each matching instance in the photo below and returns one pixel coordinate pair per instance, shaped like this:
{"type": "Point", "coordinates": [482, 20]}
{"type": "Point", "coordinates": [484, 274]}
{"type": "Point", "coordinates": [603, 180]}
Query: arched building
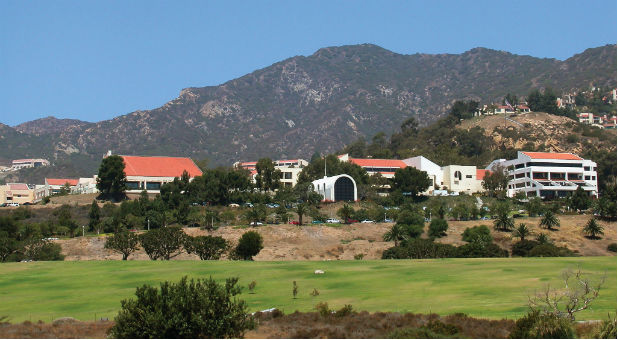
{"type": "Point", "coordinates": [336, 188]}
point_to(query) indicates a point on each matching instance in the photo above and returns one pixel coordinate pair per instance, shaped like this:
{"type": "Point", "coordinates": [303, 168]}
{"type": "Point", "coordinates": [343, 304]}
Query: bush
{"type": "Point", "coordinates": [434, 329]}
{"type": "Point", "coordinates": [611, 247]}
{"type": "Point", "coordinates": [542, 326]}
{"type": "Point", "coordinates": [163, 243]}
{"type": "Point", "coordinates": [420, 249]}
{"type": "Point", "coordinates": [480, 249]}
{"type": "Point", "coordinates": [607, 329]}
{"type": "Point", "coordinates": [39, 250]}
{"type": "Point", "coordinates": [480, 233]}
{"type": "Point", "coordinates": [207, 247]}
{"type": "Point", "coordinates": [550, 250]}
{"type": "Point", "coordinates": [187, 309]}
{"type": "Point", "coordinates": [522, 248]}
{"type": "Point", "coordinates": [438, 227]}
{"type": "Point", "coordinates": [249, 245]}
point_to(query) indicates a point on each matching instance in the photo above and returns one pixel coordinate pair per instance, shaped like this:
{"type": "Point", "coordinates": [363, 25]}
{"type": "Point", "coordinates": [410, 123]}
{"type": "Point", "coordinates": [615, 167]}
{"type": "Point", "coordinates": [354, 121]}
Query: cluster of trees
{"type": "Point", "coordinates": [169, 242]}
{"type": "Point", "coordinates": [25, 242]}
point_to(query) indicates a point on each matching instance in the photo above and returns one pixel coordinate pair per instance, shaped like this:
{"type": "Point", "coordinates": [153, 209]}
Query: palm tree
{"type": "Point", "coordinates": [549, 221]}
{"type": "Point", "coordinates": [396, 233]}
{"type": "Point", "coordinates": [253, 215]}
{"type": "Point", "coordinates": [543, 239]}
{"type": "Point", "coordinates": [503, 222]}
{"type": "Point", "coordinates": [345, 212]}
{"type": "Point", "coordinates": [301, 209]}
{"type": "Point", "coordinates": [522, 231]}
{"type": "Point", "coordinates": [593, 229]}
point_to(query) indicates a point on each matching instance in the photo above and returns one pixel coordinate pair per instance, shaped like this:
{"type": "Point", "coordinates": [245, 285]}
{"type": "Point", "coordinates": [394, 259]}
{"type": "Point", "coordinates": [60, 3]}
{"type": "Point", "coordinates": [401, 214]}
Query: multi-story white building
{"type": "Point", "coordinates": [28, 163]}
{"type": "Point", "coordinates": [290, 170]}
{"type": "Point", "coordinates": [548, 175]}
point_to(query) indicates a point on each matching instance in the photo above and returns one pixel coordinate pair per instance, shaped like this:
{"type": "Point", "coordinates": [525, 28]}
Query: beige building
{"type": "Point", "coordinates": [16, 193]}
{"type": "Point", "coordinates": [290, 170]}
{"type": "Point", "coordinates": [463, 178]}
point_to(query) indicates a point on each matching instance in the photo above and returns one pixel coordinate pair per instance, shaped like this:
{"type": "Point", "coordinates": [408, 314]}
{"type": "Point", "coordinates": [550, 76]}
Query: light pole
{"type": "Point", "coordinates": [148, 224]}
{"type": "Point", "coordinates": [83, 230]}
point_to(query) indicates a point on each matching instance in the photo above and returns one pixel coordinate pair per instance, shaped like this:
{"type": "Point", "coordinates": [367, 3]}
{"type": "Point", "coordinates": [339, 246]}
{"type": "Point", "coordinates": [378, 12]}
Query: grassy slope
{"type": "Point", "coordinates": [492, 288]}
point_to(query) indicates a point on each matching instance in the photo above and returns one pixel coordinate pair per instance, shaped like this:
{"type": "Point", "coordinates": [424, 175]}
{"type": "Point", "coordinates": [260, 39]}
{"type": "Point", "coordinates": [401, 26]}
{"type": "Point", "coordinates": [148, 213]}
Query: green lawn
{"type": "Point", "coordinates": [492, 288]}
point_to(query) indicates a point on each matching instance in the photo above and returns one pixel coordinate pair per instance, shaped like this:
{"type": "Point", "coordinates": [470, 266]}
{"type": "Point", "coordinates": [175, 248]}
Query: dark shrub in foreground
{"type": "Point", "coordinates": [420, 249]}
{"type": "Point", "coordinates": [535, 325]}
{"type": "Point", "coordinates": [249, 245]}
{"type": "Point", "coordinates": [611, 247]}
{"type": "Point", "coordinates": [522, 248]}
{"type": "Point", "coordinates": [187, 309]}
{"type": "Point", "coordinates": [527, 248]}
{"type": "Point", "coordinates": [479, 249]}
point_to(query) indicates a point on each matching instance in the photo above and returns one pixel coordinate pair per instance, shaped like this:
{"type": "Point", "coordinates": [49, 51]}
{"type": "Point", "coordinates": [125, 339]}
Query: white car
{"type": "Point", "coordinates": [253, 224]}
{"type": "Point", "coordinates": [332, 220]}
{"type": "Point", "coordinates": [367, 221]}
{"type": "Point", "coordinates": [12, 204]}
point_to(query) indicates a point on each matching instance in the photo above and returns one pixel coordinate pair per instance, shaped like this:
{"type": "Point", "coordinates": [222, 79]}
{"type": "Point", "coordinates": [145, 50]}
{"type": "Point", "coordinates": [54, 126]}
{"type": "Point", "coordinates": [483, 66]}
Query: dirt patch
{"type": "Point", "coordinates": [319, 242]}
{"type": "Point", "coordinates": [66, 330]}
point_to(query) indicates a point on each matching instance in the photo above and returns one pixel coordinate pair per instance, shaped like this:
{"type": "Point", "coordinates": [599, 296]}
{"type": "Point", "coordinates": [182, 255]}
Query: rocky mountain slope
{"type": "Point", "coordinates": [306, 104]}
{"type": "Point", "coordinates": [48, 125]}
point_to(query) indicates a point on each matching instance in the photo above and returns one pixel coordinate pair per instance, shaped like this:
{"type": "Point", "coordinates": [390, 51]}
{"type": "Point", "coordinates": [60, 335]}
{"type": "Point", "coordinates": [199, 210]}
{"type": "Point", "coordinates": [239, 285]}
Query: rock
{"type": "Point", "coordinates": [319, 271]}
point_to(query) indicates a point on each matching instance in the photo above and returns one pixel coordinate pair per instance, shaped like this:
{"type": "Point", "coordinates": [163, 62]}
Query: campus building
{"type": "Point", "coordinates": [55, 185]}
{"type": "Point", "coordinates": [290, 170]}
{"type": "Point", "coordinates": [28, 163]}
{"type": "Point", "coordinates": [149, 173]}
{"type": "Point", "coordinates": [19, 193]}
{"type": "Point", "coordinates": [548, 175]}
{"type": "Point", "coordinates": [336, 188]}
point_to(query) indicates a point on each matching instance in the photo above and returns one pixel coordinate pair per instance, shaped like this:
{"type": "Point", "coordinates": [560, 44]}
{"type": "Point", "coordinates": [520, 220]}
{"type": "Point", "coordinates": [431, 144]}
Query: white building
{"type": "Point", "coordinates": [29, 163]}
{"type": "Point", "coordinates": [290, 170]}
{"type": "Point", "coordinates": [336, 188]}
{"type": "Point", "coordinates": [433, 170]}
{"type": "Point", "coordinates": [55, 185]}
{"type": "Point", "coordinates": [549, 175]}
{"type": "Point", "coordinates": [463, 178]}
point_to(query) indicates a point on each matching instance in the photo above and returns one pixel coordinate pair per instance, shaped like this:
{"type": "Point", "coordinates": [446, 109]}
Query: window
{"type": "Point", "coordinates": [586, 168]}
{"type": "Point", "coordinates": [594, 177]}
{"type": "Point", "coordinates": [458, 175]}
{"type": "Point", "coordinates": [468, 176]}
{"type": "Point", "coordinates": [587, 178]}
{"type": "Point", "coordinates": [287, 175]}
{"type": "Point", "coordinates": [153, 186]}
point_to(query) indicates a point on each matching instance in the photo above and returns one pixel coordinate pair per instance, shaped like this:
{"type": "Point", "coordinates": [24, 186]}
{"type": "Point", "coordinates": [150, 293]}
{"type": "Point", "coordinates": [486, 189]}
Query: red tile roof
{"type": "Point", "coordinates": [378, 163]}
{"type": "Point", "coordinates": [61, 181]}
{"type": "Point", "coordinates": [18, 186]}
{"type": "Point", "coordinates": [159, 166]}
{"type": "Point", "coordinates": [552, 155]}
{"type": "Point", "coordinates": [480, 173]}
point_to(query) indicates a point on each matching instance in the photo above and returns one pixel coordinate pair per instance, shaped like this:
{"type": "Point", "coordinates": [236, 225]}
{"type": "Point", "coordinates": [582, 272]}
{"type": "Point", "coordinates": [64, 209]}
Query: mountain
{"type": "Point", "coordinates": [48, 125]}
{"type": "Point", "coordinates": [301, 105]}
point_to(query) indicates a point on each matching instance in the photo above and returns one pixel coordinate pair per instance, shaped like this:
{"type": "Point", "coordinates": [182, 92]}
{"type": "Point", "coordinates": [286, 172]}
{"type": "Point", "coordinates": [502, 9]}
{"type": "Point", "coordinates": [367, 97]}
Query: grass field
{"type": "Point", "coordinates": [491, 288]}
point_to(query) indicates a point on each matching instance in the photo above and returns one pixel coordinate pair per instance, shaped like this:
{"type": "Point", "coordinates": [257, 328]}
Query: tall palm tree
{"type": "Point", "coordinates": [503, 222]}
{"type": "Point", "coordinates": [549, 221]}
{"type": "Point", "coordinates": [522, 231]}
{"type": "Point", "coordinates": [396, 233]}
{"type": "Point", "coordinates": [593, 229]}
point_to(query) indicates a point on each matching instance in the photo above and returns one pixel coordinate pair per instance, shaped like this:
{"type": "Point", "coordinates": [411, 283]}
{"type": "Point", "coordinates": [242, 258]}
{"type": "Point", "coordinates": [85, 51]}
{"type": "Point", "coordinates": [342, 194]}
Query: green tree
{"type": "Point", "coordinates": [111, 180]}
{"type": "Point", "coordinates": [345, 213]}
{"type": "Point", "coordinates": [397, 233]}
{"type": "Point", "coordinates": [268, 177]}
{"type": "Point", "coordinates": [65, 219]}
{"type": "Point", "coordinates": [478, 233]}
{"type": "Point", "coordinates": [534, 206]}
{"type": "Point", "coordinates": [411, 180]}
{"type": "Point", "coordinates": [163, 243]}
{"type": "Point", "coordinates": [496, 182]}
{"type": "Point", "coordinates": [256, 214]}
{"type": "Point", "coordinates": [301, 209]}
{"type": "Point", "coordinates": [187, 309]}
{"type": "Point", "coordinates": [249, 245]}
{"type": "Point", "coordinates": [437, 227]}
{"type": "Point", "coordinates": [522, 231]}
{"type": "Point", "coordinates": [8, 246]}
{"type": "Point", "coordinates": [123, 242]}
{"type": "Point", "coordinates": [593, 229]}
{"type": "Point", "coordinates": [207, 247]}
{"type": "Point", "coordinates": [580, 199]}
{"type": "Point", "coordinates": [503, 221]}
{"type": "Point", "coordinates": [549, 220]}
{"type": "Point", "coordinates": [94, 216]}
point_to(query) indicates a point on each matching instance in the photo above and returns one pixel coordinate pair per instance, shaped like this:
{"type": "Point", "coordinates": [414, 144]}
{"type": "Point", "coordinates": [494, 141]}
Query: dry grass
{"type": "Point", "coordinates": [59, 329]}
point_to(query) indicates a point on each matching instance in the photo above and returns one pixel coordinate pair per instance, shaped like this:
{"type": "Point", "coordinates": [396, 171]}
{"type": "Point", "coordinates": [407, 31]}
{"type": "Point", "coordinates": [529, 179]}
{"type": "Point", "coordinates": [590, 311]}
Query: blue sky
{"type": "Point", "coordinates": [94, 60]}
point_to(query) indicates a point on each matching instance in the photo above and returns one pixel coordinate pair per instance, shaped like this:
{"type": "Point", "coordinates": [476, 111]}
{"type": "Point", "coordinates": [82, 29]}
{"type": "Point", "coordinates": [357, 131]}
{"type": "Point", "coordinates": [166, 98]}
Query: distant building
{"type": "Point", "coordinates": [16, 193]}
{"type": "Point", "coordinates": [290, 170]}
{"type": "Point", "coordinates": [384, 167]}
{"type": "Point", "coordinates": [462, 178]}
{"type": "Point", "coordinates": [548, 174]}
{"type": "Point", "coordinates": [55, 185]}
{"type": "Point", "coordinates": [336, 188]}
{"type": "Point", "coordinates": [29, 163]}
{"type": "Point", "coordinates": [150, 172]}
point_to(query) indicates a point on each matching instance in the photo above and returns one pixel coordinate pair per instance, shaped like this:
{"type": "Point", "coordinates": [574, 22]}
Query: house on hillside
{"type": "Point", "coordinates": [150, 172]}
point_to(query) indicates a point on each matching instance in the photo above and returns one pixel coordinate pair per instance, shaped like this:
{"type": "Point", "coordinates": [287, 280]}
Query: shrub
{"type": "Point", "coordinates": [542, 326]}
{"type": "Point", "coordinates": [344, 311]}
{"type": "Point", "coordinates": [249, 245]}
{"type": "Point", "coordinates": [322, 309]}
{"type": "Point", "coordinates": [40, 250]}
{"type": "Point", "coordinates": [607, 329]}
{"type": "Point", "coordinates": [480, 232]}
{"type": "Point", "coordinates": [611, 247]}
{"type": "Point", "coordinates": [522, 248]}
{"type": "Point", "coordinates": [187, 309]}
{"type": "Point", "coordinates": [207, 247]}
{"type": "Point", "coordinates": [550, 250]}
{"type": "Point", "coordinates": [251, 286]}
{"type": "Point", "coordinates": [359, 256]}
{"type": "Point", "coordinates": [420, 249]}
{"type": "Point", "coordinates": [438, 227]}
{"type": "Point", "coordinates": [480, 249]}
{"type": "Point", "coordinates": [163, 243]}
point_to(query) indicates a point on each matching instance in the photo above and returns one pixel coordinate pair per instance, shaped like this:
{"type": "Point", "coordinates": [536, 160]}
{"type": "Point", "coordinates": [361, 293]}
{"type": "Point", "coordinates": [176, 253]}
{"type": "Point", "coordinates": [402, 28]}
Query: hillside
{"type": "Point", "coordinates": [306, 104]}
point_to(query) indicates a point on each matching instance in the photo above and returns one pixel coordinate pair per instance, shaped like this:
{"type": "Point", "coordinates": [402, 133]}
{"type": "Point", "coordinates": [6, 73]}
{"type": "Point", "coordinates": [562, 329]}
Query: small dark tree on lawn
{"type": "Point", "coordinates": [207, 247]}
{"type": "Point", "coordinates": [123, 242]}
{"type": "Point", "coordinates": [549, 220]}
{"type": "Point", "coordinates": [593, 229]}
{"type": "Point", "coordinates": [249, 245]}
{"type": "Point", "coordinates": [188, 309]}
{"type": "Point", "coordinates": [438, 227]}
{"type": "Point", "coordinates": [163, 243]}
{"type": "Point", "coordinates": [294, 289]}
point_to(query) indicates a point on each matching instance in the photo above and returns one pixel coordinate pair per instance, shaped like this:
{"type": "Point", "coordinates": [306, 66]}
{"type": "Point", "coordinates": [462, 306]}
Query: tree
{"type": "Point", "coordinates": [249, 245]}
{"type": "Point", "coordinates": [549, 220]}
{"type": "Point", "coordinates": [8, 246]}
{"type": "Point", "coordinates": [301, 210]}
{"type": "Point", "coordinates": [255, 214]}
{"type": "Point", "coordinates": [503, 221]}
{"type": "Point", "coordinates": [411, 180]}
{"type": "Point", "coordinates": [534, 206]}
{"type": "Point", "coordinates": [268, 177]}
{"type": "Point", "coordinates": [163, 243]}
{"type": "Point", "coordinates": [593, 229]}
{"type": "Point", "coordinates": [522, 231]}
{"type": "Point", "coordinates": [94, 216]}
{"type": "Point", "coordinates": [496, 181]}
{"type": "Point", "coordinates": [438, 227]}
{"type": "Point", "coordinates": [396, 233]}
{"type": "Point", "coordinates": [478, 233]}
{"type": "Point", "coordinates": [63, 213]}
{"type": "Point", "coordinates": [345, 213]}
{"type": "Point", "coordinates": [187, 309]}
{"type": "Point", "coordinates": [123, 242]}
{"type": "Point", "coordinates": [42, 250]}
{"type": "Point", "coordinates": [111, 180]}
{"type": "Point", "coordinates": [580, 199]}
{"type": "Point", "coordinates": [207, 247]}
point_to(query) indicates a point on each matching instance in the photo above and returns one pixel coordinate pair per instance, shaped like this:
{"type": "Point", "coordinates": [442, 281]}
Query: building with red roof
{"type": "Point", "coordinates": [548, 174]}
{"type": "Point", "coordinates": [150, 172]}
{"type": "Point", "coordinates": [16, 193]}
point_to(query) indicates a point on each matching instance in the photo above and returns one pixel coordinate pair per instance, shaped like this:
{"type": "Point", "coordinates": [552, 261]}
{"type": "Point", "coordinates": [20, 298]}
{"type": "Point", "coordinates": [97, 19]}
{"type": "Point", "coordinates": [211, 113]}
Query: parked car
{"type": "Point", "coordinates": [388, 220]}
{"type": "Point", "coordinates": [272, 205]}
{"type": "Point", "coordinates": [233, 205]}
{"type": "Point", "coordinates": [317, 222]}
{"type": "Point", "coordinates": [332, 220]}
{"type": "Point", "coordinates": [12, 204]}
{"type": "Point", "coordinates": [255, 224]}
{"type": "Point", "coordinates": [367, 221]}
{"type": "Point", "coordinates": [248, 204]}
{"type": "Point", "coordinates": [349, 220]}
{"type": "Point", "coordinates": [294, 222]}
